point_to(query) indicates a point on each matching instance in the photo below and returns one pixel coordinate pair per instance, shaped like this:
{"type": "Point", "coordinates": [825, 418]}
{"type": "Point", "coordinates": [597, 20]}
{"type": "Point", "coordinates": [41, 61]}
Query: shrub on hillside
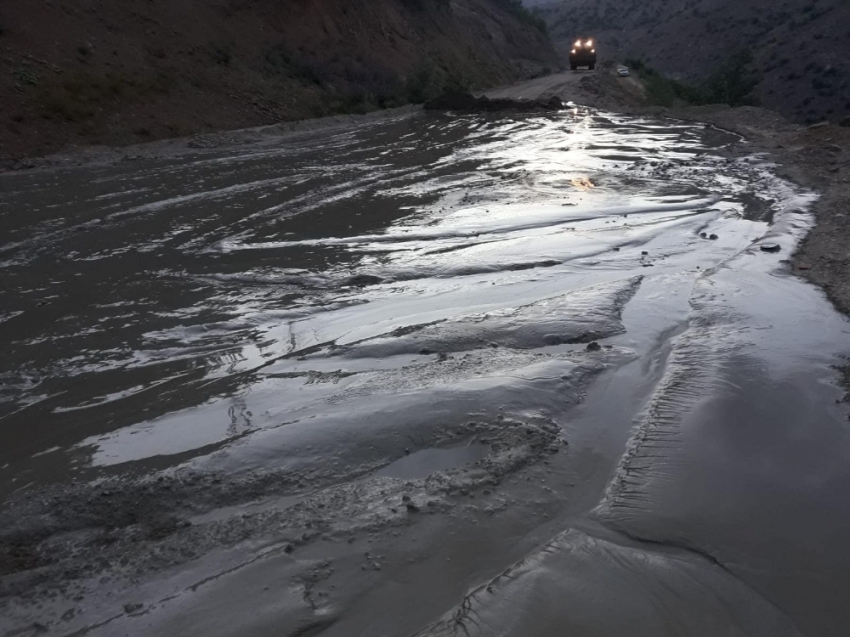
{"type": "Point", "coordinates": [517, 8]}
{"type": "Point", "coordinates": [425, 5]}
{"type": "Point", "coordinates": [733, 84]}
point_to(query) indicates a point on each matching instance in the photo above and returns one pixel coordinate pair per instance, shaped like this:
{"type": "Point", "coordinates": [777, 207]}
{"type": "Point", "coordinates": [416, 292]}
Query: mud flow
{"type": "Point", "coordinates": [481, 375]}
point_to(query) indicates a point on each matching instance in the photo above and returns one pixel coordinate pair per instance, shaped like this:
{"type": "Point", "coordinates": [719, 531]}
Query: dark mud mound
{"type": "Point", "coordinates": [580, 316]}
{"type": "Point", "coordinates": [469, 103]}
{"type": "Point", "coordinates": [583, 585]}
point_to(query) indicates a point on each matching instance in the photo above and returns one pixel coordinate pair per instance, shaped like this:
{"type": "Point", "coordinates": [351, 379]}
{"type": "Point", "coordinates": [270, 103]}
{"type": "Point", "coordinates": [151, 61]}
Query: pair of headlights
{"type": "Point", "coordinates": [587, 44]}
{"type": "Point", "coordinates": [592, 51]}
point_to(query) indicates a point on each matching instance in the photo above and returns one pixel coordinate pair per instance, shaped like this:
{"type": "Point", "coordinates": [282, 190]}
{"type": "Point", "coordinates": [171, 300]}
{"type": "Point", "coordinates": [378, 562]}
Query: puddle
{"type": "Point", "coordinates": [424, 462]}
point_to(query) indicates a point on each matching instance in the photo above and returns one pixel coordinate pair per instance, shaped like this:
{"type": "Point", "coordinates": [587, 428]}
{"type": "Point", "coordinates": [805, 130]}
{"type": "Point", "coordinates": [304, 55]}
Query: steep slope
{"type": "Point", "coordinates": [801, 48]}
{"type": "Point", "coordinates": [94, 71]}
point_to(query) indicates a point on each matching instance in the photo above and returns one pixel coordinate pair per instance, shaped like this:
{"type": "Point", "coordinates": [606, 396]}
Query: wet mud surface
{"type": "Point", "coordinates": [495, 374]}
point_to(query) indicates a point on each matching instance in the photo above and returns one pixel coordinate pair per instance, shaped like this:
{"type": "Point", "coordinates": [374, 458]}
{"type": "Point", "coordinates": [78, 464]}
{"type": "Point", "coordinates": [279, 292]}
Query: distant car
{"type": "Point", "coordinates": [583, 53]}
{"type": "Point", "coordinates": [623, 71]}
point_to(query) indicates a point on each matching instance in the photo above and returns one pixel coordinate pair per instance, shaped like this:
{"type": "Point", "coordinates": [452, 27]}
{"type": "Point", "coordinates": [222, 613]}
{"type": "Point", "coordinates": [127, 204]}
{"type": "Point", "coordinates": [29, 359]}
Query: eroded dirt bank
{"type": "Point", "coordinates": [519, 370]}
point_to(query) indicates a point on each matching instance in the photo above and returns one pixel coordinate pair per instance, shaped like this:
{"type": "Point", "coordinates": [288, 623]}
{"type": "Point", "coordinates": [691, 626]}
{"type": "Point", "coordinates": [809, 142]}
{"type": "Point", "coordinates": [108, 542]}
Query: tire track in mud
{"type": "Point", "coordinates": [548, 588]}
{"type": "Point", "coordinates": [521, 600]}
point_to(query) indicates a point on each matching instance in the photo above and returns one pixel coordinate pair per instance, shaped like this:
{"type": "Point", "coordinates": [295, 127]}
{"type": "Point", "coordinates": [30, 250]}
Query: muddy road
{"type": "Point", "coordinates": [482, 375]}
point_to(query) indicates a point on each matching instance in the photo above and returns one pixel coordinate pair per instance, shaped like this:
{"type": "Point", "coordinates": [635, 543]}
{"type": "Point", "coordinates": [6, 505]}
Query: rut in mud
{"type": "Point", "coordinates": [330, 386]}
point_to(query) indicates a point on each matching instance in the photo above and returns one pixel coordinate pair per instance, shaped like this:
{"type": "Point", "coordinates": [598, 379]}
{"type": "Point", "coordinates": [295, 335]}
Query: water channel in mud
{"type": "Point", "coordinates": [338, 384]}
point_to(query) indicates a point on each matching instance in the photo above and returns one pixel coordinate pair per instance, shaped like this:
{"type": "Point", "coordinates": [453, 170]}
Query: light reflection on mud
{"type": "Point", "coordinates": [148, 290]}
{"type": "Point", "coordinates": [361, 309]}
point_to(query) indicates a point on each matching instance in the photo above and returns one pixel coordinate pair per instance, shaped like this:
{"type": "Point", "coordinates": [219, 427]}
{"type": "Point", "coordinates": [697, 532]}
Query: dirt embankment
{"type": "Point", "coordinates": [96, 72]}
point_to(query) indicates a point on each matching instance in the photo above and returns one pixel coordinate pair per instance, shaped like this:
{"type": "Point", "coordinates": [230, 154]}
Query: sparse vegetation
{"type": "Point", "coordinates": [425, 5]}
{"type": "Point", "coordinates": [731, 84]}
{"type": "Point", "coordinates": [25, 77]}
{"type": "Point", "coordinates": [524, 14]}
{"type": "Point", "coordinates": [79, 97]}
{"type": "Point", "coordinates": [221, 54]}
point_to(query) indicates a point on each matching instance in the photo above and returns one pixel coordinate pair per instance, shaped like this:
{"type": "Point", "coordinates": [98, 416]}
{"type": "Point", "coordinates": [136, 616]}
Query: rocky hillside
{"type": "Point", "coordinates": [800, 48]}
{"type": "Point", "coordinates": [99, 71]}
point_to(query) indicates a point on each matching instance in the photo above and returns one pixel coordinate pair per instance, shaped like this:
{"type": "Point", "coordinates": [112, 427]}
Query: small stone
{"type": "Point", "coordinates": [132, 608]}
{"type": "Point", "coordinates": [645, 253]}
{"type": "Point", "coordinates": [804, 266]}
{"type": "Point", "coordinates": [593, 347]}
{"type": "Point", "coordinates": [835, 169]}
{"type": "Point", "coordinates": [703, 235]}
{"type": "Point", "coordinates": [770, 247]}
{"type": "Point", "coordinates": [713, 237]}
{"type": "Point", "coordinates": [412, 508]}
{"type": "Point", "coordinates": [288, 549]}
{"type": "Point", "coordinates": [405, 498]}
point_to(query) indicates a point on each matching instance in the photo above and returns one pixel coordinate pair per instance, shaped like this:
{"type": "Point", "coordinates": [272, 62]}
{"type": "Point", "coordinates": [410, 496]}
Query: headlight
{"type": "Point", "coordinates": [589, 43]}
{"type": "Point", "coordinates": [593, 50]}
{"type": "Point", "coordinates": [577, 44]}
{"type": "Point", "coordinates": [573, 51]}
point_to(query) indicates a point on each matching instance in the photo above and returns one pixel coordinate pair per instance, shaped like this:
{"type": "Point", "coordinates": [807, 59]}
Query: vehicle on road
{"type": "Point", "coordinates": [623, 71]}
{"type": "Point", "coordinates": [583, 53]}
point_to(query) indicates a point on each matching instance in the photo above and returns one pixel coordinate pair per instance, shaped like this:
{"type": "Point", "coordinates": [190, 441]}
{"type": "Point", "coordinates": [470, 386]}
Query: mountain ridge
{"type": "Point", "coordinates": [800, 48]}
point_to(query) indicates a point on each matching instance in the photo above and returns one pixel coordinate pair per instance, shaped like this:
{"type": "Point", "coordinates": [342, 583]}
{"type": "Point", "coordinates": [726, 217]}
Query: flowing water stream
{"type": "Point", "coordinates": [544, 343]}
